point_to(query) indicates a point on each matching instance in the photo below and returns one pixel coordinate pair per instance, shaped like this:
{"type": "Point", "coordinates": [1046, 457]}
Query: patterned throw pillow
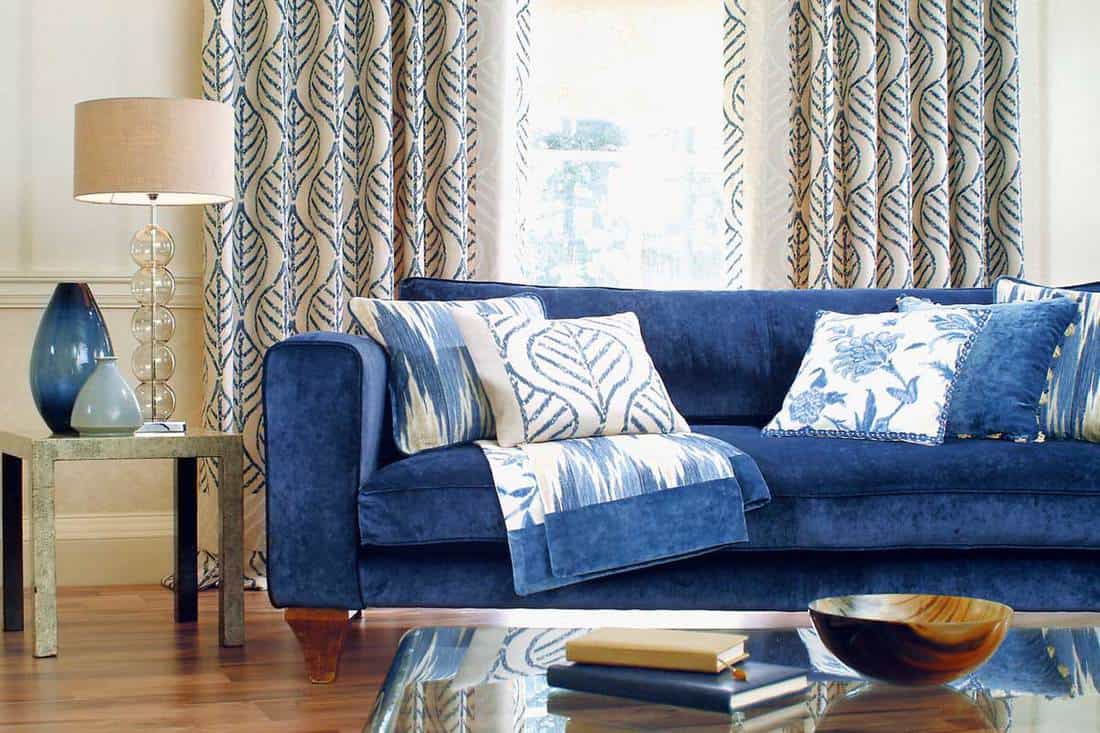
{"type": "Point", "coordinates": [556, 379]}
{"type": "Point", "coordinates": [1005, 379]}
{"type": "Point", "coordinates": [881, 376]}
{"type": "Point", "coordinates": [436, 396]}
{"type": "Point", "coordinates": [1073, 410]}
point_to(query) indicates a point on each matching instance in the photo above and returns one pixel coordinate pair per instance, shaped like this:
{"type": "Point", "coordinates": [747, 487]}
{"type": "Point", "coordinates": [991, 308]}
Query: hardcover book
{"type": "Point", "coordinates": [690, 651]}
{"type": "Point", "coordinates": [587, 713]}
{"type": "Point", "coordinates": [706, 691]}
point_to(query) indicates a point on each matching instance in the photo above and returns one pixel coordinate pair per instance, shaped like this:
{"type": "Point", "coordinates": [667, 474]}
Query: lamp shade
{"type": "Point", "coordinates": [179, 149]}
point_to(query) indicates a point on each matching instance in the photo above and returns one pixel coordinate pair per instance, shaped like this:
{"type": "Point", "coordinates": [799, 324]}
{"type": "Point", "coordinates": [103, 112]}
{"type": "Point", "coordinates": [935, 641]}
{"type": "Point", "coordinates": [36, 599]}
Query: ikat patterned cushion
{"type": "Point", "coordinates": [557, 379]}
{"type": "Point", "coordinates": [1073, 410]}
{"type": "Point", "coordinates": [435, 394]}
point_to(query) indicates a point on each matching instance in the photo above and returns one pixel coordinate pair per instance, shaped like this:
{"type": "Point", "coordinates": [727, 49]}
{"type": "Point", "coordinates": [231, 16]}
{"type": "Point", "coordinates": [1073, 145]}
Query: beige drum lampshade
{"type": "Point", "coordinates": [128, 148]}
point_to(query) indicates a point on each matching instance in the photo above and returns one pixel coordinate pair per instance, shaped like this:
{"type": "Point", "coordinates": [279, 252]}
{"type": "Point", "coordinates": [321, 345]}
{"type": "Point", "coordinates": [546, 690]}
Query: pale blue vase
{"type": "Point", "coordinates": [106, 405]}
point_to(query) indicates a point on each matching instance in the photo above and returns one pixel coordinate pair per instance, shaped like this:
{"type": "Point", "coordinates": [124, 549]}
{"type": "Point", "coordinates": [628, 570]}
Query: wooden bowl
{"type": "Point", "coordinates": [911, 639]}
{"type": "Point", "coordinates": [878, 708]}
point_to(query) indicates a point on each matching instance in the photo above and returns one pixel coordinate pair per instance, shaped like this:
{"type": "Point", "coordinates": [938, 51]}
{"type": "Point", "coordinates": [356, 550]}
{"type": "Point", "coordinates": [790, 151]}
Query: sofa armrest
{"type": "Point", "coordinates": [325, 413]}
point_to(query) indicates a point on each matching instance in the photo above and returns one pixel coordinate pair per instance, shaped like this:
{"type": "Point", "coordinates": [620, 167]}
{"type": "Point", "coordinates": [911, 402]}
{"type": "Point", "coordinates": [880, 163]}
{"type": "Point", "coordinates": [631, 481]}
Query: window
{"type": "Point", "coordinates": [625, 177]}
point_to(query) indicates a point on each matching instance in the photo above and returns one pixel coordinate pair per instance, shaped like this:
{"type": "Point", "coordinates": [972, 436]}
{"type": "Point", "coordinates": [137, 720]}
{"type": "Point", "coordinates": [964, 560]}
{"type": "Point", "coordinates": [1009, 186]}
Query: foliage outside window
{"type": "Point", "coordinates": [625, 173]}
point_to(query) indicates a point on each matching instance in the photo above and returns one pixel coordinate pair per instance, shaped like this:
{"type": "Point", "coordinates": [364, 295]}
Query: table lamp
{"type": "Point", "coordinates": [149, 151]}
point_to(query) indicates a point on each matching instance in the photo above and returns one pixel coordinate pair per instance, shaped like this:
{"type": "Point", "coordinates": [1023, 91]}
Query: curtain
{"type": "Point", "coordinates": [358, 158]}
{"type": "Point", "coordinates": [873, 144]}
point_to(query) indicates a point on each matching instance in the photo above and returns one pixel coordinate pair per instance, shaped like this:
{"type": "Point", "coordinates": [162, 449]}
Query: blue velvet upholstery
{"type": "Point", "coordinates": [472, 576]}
{"type": "Point", "coordinates": [725, 356]}
{"type": "Point", "coordinates": [1026, 495]}
{"type": "Point", "coordinates": [324, 397]}
{"type": "Point", "coordinates": [1006, 373]}
{"type": "Point", "coordinates": [975, 517]}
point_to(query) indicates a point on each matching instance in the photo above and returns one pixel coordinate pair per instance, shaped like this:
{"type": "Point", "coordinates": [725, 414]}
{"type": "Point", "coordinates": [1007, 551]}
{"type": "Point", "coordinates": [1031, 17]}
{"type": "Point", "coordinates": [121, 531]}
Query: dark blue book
{"type": "Point", "coordinates": [704, 691]}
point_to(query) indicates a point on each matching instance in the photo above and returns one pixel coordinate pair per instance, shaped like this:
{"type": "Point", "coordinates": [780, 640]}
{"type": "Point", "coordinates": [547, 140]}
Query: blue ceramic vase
{"type": "Point", "coordinates": [70, 336]}
{"type": "Point", "coordinates": [106, 404]}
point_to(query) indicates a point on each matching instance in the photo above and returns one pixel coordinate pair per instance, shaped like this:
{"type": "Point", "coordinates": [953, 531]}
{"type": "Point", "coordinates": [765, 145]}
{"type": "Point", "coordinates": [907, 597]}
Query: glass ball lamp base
{"type": "Point", "coordinates": [153, 324]}
{"type": "Point", "coordinates": [157, 400]}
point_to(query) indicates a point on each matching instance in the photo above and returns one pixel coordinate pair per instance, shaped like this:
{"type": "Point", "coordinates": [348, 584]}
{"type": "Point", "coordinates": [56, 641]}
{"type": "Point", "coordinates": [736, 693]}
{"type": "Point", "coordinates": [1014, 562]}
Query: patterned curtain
{"type": "Point", "coordinates": [357, 147]}
{"type": "Point", "coordinates": [899, 144]}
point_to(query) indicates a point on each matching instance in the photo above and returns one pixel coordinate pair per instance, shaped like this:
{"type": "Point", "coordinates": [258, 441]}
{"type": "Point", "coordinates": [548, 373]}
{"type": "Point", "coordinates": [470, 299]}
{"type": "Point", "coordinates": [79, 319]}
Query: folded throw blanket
{"type": "Point", "coordinates": [582, 508]}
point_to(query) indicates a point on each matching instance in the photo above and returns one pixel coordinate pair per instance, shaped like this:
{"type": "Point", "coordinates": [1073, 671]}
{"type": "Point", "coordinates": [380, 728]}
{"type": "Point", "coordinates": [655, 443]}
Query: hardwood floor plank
{"type": "Point", "coordinates": [125, 665]}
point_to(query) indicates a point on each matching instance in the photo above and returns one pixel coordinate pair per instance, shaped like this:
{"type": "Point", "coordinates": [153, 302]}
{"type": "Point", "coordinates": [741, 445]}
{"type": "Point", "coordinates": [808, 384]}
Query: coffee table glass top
{"type": "Point", "coordinates": [458, 679]}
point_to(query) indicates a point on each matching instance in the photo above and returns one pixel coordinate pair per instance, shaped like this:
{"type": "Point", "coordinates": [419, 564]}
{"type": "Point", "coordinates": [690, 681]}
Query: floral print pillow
{"type": "Point", "coordinates": [880, 376]}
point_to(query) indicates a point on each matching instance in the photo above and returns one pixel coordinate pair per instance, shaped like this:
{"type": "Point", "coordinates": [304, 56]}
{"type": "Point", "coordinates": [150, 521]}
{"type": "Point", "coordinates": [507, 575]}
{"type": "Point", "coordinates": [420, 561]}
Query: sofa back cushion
{"type": "Point", "coordinates": [725, 355]}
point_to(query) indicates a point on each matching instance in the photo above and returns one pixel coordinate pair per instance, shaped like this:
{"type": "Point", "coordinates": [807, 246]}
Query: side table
{"type": "Point", "coordinates": [42, 452]}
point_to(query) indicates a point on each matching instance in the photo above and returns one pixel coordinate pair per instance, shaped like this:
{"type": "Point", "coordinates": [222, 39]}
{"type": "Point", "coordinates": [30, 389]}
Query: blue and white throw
{"type": "Point", "coordinates": [879, 376]}
{"type": "Point", "coordinates": [581, 508]}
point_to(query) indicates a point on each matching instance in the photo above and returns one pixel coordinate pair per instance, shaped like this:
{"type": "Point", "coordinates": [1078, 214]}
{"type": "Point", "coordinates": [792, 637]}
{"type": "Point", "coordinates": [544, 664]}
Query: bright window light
{"type": "Point", "coordinates": [625, 178]}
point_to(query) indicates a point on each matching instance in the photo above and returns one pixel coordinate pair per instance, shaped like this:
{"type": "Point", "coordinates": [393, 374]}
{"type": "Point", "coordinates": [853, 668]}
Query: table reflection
{"type": "Point", "coordinates": [459, 680]}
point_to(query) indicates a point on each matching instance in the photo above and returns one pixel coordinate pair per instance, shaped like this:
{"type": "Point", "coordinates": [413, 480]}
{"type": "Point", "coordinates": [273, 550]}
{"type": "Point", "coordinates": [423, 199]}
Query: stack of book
{"type": "Point", "coordinates": [702, 670]}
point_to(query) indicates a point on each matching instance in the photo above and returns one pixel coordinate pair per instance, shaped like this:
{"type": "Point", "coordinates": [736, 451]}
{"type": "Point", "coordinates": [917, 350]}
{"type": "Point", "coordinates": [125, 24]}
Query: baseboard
{"type": "Point", "coordinates": [33, 289]}
{"type": "Point", "coordinates": [109, 549]}
{"type": "Point", "coordinates": [122, 526]}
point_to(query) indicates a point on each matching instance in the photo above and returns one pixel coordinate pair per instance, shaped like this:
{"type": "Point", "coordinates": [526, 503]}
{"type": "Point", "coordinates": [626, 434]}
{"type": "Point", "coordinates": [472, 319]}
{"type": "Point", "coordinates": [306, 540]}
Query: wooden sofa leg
{"type": "Point", "coordinates": [320, 633]}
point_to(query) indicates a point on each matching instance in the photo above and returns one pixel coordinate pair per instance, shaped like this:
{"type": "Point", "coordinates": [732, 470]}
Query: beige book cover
{"type": "Point", "coordinates": [690, 651]}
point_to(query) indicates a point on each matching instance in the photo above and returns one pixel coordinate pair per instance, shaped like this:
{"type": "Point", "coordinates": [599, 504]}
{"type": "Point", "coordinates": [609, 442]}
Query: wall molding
{"type": "Point", "coordinates": [121, 526]}
{"type": "Point", "coordinates": [108, 549]}
{"type": "Point", "coordinates": [33, 289]}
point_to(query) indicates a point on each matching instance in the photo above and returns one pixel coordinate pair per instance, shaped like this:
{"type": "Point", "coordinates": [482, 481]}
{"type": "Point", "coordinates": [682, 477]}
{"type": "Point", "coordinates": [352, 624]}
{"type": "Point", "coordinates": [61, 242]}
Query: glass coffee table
{"type": "Point", "coordinates": [476, 679]}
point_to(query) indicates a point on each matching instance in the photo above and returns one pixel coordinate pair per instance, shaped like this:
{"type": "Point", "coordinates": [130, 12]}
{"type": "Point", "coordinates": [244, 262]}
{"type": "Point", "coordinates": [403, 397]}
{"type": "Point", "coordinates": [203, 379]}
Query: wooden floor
{"type": "Point", "coordinates": [124, 665]}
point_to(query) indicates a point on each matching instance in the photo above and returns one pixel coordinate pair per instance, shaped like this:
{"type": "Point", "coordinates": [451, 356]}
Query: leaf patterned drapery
{"type": "Point", "coordinates": [357, 145]}
{"type": "Point", "coordinates": [900, 147]}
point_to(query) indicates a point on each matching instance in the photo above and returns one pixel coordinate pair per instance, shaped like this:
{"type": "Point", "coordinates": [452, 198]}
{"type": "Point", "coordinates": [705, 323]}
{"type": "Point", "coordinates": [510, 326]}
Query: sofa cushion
{"type": "Point", "coordinates": [879, 376]}
{"type": "Point", "coordinates": [1073, 410]}
{"type": "Point", "coordinates": [725, 356]}
{"type": "Point", "coordinates": [826, 494]}
{"type": "Point", "coordinates": [435, 396]}
{"type": "Point", "coordinates": [1001, 385]}
{"type": "Point", "coordinates": [554, 379]}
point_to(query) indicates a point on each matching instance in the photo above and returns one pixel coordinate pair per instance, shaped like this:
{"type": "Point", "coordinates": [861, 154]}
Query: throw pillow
{"type": "Point", "coordinates": [881, 376]}
{"type": "Point", "coordinates": [1073, 410]}
{"type": "Point", "coordinates": [435, 394]}
{"type": "Point", "coordinates": [557, 379]}
{"type": "Point", "coordinates": [1006, 376]}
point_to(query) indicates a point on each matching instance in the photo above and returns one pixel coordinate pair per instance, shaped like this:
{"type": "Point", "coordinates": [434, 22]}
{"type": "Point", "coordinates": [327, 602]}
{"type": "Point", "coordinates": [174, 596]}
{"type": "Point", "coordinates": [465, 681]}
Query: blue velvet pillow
{"type": "Point", "coordinates": [1005, 378]}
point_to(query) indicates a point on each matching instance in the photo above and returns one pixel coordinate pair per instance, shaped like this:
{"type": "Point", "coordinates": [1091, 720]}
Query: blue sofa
{"type": "Point", "coordinates": [353, 524]}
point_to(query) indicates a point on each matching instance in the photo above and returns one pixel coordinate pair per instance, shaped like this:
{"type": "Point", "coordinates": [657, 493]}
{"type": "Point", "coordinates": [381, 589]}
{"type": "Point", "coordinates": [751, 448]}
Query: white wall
{"type": "Point", "coordinates": [114, 521]}
{"type": "Point", "coordinates": [1060, 93]}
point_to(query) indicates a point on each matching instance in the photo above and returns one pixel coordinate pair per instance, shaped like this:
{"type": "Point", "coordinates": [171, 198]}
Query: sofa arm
{"type": "Point", "coordinates": [325, 413]}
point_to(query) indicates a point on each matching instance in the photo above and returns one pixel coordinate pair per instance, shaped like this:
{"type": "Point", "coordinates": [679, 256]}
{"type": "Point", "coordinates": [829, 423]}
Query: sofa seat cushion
{"type": "Point", "coordinates": [826, 494]}
{"type": "Point", "coordinates": [440, 495]}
